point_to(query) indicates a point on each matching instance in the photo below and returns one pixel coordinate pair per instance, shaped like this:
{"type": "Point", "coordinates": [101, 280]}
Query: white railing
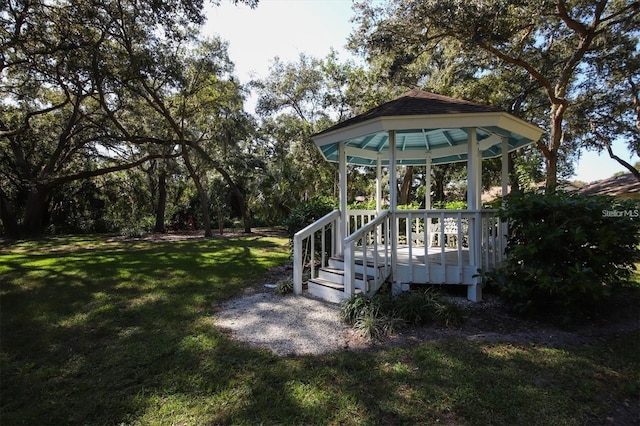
{"type": "Point", "coordinates": [475, 238]}
{"type": "Point", "coordinates": [372, 242]}
{"type": "Point", "coordinates": [305, 247]}
{"type": "Point", "coordinates": [356, 219]}
{"type": "Point", "coordinates": [438, 246]}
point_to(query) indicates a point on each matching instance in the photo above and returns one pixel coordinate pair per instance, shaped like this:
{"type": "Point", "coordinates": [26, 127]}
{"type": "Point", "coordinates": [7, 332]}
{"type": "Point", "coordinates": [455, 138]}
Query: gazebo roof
{"type": "Point", "coordinates": [426, 124]}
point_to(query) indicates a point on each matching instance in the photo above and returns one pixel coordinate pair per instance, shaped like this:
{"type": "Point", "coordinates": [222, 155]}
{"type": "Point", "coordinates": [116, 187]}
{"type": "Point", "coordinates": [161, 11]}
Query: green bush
{"type": "Point", "coordinates": [308, 212]}
{"type": "Point", "coordinates": [565, 253]}
{"type": "Point", "coordinates": [450, 205]}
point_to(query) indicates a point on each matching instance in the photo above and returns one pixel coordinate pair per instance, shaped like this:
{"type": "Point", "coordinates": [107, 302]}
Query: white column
{"type": "Point", "coordinates": [502, 236]}
{"type": "Point", "coordinates": [474, 171]}
{"type": "Point", "coordinates": [505, 166]}
{"type": "Point", "coordinates": [393, 179]}
{"type": "Point", "coordinates": [342, 172]}
{"type": "Point", "coordinates": [395, 287]}
{"type": "Point", "coordinates": [474, 188]}
{"type": "Point", "coordinates": [378, 185]}
{"type": "Point", "coordinates": [427, 184]}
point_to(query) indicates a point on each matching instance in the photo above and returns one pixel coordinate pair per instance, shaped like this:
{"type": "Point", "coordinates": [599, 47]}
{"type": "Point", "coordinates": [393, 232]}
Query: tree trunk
{"type": "Point", "coordinates": [8, 218]}
{"type": "Point", "coordinates": [513, 177]}
{"type": "Point", "coordinates": [220, 222]}
{"type": "Point", "coordinates": [552, 171]}
{"type": "Point", "coordinates": [438, 178]}
{"type": "Point", "coordinates": [240, 199]}
{"type": "Point", "coordinates": [550, 152]}
{"type": "Point", "coordinates": [246, 217]}
{"type": "Point", "coordinates": [204, 200]}
{"type": "Point", "coordinates": [162, 203]}
{"type": "Point", "coordinates": [34, 212]}
{"type": "Point", "coordinates": [405, 191]}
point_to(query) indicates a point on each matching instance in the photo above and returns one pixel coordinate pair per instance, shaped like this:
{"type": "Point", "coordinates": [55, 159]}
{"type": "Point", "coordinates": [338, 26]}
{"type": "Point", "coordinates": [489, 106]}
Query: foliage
{"type": "Point", "coordinates": [364, 205]}
{"type": "Point", "coordinates": [373, 324]}
{"type": "Point", "coordinates": [568, 66]}
{"type": "Point", "coordinates": [101, 87]}
{"type": "Point", "coordinates": [98, 331]}
{"type": "Point", "coordinates": [566, 252]}
{"type": "Point", "coordinates": [308, 212]}
{"type": "Point", "coordinates": [284, 286]}
{"type": "Point", "coordinates": [296, 100]}
{"type": "Point", "coordinates": [450, 205]}
{"type": "Point", "coordinates": [377, 316]}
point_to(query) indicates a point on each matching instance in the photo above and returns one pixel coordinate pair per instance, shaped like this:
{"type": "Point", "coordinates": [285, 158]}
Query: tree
{"type": "Point", "coordinates": [611, 110]}
{"type": "Point", "coordinates": [67, 110]}
{"type": "Point", "coordinates": [552, 42]}
{"type": "Point", "coordinates": [295, 101]}
{"type": "Point", "coordinates": [52, 127]}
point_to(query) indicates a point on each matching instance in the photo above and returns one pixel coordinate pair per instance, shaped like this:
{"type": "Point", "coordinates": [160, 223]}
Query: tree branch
{"type": "Point", "coordinates": [6, 132]}
{"type": "Point", "coordinates": [99, 172]}
{"type": "Point", "coordinates": [624, 163]}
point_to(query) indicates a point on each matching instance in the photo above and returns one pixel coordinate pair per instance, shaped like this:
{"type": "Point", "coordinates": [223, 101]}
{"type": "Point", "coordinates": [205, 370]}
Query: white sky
{"type": "Point", "coordinates": [286, 28]}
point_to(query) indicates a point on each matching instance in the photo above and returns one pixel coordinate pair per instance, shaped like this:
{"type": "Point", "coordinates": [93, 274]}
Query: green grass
{"type": "Point", "coordinates": [98, 332]}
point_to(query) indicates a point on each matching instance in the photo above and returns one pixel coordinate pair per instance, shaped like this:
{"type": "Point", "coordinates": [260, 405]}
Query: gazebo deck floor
{"type": "Point", "coordinates": [415, 256]}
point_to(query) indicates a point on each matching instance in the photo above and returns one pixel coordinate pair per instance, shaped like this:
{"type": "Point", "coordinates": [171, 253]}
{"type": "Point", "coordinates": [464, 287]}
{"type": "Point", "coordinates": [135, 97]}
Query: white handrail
{"type": "Point", "coordinates": [361, 235]}
{"type": "Point", "coordinates": [305, 232]}
{"type": "Point", "coordinates": [309, 232]}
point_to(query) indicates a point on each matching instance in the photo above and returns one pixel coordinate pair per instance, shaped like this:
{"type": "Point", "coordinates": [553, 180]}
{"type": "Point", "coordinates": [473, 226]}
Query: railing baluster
{"type": "Point", "coordinates": [322, 246]}
{"type": "Point", "coordinates": [427, 242]}
{"type": "Point", "coordinates": [441, 237]}
{"type": "Point", "coordinates": [312, 257]}
{"type": "Point", "coordinates": [459, 237]}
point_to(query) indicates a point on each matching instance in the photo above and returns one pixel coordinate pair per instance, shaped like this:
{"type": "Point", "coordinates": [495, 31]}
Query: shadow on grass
{"type": "Point", "coordinates": [122, 333]}
{"type": "Point", "coordinates": [86, 330]}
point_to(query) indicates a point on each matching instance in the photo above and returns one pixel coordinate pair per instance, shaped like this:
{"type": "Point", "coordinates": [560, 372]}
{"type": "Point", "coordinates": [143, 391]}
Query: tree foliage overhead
{"type": "Point", "coordinates": [569, 51]}
{"type": "Point", "coordinates": [90, 88]}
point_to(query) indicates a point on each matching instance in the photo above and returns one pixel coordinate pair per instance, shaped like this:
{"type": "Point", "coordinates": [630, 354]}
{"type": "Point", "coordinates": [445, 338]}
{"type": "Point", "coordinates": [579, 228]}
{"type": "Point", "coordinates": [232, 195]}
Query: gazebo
{"type": "Point", "coordinates": [352, 251]}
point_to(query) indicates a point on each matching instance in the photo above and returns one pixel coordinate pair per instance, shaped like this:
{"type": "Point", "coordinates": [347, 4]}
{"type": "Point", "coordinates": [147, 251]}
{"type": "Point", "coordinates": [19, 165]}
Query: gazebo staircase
{"type": "Point", "coordinates": [330, 282]}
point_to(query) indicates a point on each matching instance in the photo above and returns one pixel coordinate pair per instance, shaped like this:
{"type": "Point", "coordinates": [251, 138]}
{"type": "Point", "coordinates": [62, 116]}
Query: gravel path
{"type": "Point", "coordinates": [299, 325]}
{"type": "Point", "coordinates": [287, 325]}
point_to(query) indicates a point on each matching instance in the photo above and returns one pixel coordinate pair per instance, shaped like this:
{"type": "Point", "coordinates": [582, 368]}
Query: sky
{"type": "Point", "coordinates": [287, 28]}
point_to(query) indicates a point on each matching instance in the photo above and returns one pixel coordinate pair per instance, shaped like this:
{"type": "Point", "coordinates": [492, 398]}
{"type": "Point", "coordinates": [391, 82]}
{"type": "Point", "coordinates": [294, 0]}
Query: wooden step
{"type": "Point", "coordinates": [327, 283]}
{"type": "Point", "coordinates": [340, 273]}
{"type": "Point", "coordinates": [370, 263]}
{"type": "Point", "coordinates": [326, 290]}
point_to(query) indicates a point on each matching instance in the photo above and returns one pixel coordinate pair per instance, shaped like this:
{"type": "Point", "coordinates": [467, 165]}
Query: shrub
{"type": "Point", "coordinates": [284, 286]}
{"type": "Point", "coordinates": [416, 307]}
{"type": "Point", "coordinates": [374, 324]}
{"type": "Point", "coordinates": [308, 212]}
{"type": "Point", "coordinates": [450, 205]}
{"type": "Point", "coordinates": [381, 314]}
{"type": "Point", "coordinates": [566, 252]}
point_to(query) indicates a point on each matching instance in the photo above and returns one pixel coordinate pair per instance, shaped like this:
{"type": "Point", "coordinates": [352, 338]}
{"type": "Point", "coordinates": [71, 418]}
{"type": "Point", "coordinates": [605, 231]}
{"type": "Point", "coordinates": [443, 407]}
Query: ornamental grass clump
{"type": "Point", "coordinates": [566, 253]}
{"type": "Point", "coordinates": [284, 286]}
{"type": "Point", "coordinates": [377, 316]}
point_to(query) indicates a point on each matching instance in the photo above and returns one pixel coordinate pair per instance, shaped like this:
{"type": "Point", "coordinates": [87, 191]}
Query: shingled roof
{"type": "Point", "coordinates": [622, 186]}
{"type": "Point", "coordinates": [416, 102]}
{"type": "Point", "coordinates": [426, 125]}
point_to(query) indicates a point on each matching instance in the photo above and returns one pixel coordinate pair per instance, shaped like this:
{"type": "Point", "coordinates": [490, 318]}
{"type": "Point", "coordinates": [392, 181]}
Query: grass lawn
{"type": "Point", "coordinates": [98, 332]}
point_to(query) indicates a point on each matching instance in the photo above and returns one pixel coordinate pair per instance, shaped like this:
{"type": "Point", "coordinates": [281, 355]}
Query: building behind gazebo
{"type": "Point", "coordinates": [623, 186]}
{"type": "Point", "coordinates": [359, 250]}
